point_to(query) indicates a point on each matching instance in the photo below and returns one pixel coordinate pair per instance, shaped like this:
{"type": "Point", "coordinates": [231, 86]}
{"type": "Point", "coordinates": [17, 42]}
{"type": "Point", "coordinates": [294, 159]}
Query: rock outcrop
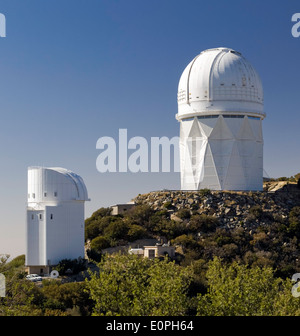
{"type": "Point", "coordinates": [233, 209]}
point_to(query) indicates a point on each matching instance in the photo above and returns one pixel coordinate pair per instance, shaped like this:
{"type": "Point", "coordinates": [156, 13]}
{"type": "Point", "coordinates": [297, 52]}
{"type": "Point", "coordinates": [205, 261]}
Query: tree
{"type": "Point", "coordinates": [136, 232]}
{"type": "Point", "coordinates": [128, 285]}
{"type": "Point", "coordinates": [140, 215]}
{"type": "Point", "coordinates": [256, 212]}
{"type": "Point", "coordinates": [99, 243]}
{"type": "Point", "coordinates": [294, 220]}
{"type": "Point", "coordinates": [66, 296]}
{"type": "Point", "coordinates": [167, 287]}
{"type": "Point", "coordinates": [204, 223]}
{"type": "Point", "coordinates": [237, 289]}
{"type": "Point", "coordinates": [186, 241]}
{"type": "Point", "coordinates": [115, 230]}
{"type": "Point", "coordinates": [75, 265]}
{"type": "Point", "coordinates": [183, 213]}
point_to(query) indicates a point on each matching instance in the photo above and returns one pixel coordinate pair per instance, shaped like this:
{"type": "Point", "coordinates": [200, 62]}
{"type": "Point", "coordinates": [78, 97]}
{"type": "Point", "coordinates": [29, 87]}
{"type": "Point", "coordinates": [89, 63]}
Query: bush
{"type": "Point", "coordinates": [204, 223]}
{"type": "Point", "coordinates": [94, 255]}
{"type": "Point", "coordinates": [186, 241]}
{"type": "Point", "coordinates": [100, 213]}
{"type": "Point", "coordinates": [127, 285]}
{"type": "Point", "coordinates": [168, 205]}
{"type": "Point", "coordinates": [116, 230]}
{"type": "Point", "coordinates": [75, 265]}
{"type": "Point", "coordinates": [136, 232]}
{"type": "Point", "coordinates": [99, 243]}
{"type": "Point", "coordinates": [92, 230]}
{"type": "Point", "coordinates": [256, 211]}
{"type": "Point", "coordinates": [239, 290]}
{"type": "Point", "coordinates": [97, 226]}
{"type": "Point", "coordinates": [140, 214]}
{"type": "Point", "coordinates": [183, 214]}
{"type": "Point", "coordinates": [205, 192]}
{"type": "Point", "coordinates": [294, 220]}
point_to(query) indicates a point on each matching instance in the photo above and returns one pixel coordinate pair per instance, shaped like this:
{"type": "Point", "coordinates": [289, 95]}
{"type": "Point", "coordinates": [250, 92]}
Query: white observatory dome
{"type": "Point", "coordinates": [219, 80]}
{"type": "Point", "coordinates": [55, 185]}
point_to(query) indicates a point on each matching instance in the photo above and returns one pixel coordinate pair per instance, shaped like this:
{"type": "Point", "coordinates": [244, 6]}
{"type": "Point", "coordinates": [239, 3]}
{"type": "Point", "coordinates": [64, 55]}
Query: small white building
{"type": "Point", "coordinates": [55, 218]}
{"type": "Point", "coordinates": [120, 209]}
{"type": "Point", "coordinates": [154, 251]}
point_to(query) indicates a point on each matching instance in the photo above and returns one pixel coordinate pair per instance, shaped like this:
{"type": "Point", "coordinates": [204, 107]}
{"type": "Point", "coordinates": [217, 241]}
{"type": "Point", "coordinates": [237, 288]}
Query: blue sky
{"type": "Point", "coordinates": [72, 71]}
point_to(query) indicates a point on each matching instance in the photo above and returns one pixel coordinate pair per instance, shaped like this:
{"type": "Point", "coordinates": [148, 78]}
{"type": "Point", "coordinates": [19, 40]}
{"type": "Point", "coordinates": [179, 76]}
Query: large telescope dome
{"type": "Point", "coordinates": [219, 80]}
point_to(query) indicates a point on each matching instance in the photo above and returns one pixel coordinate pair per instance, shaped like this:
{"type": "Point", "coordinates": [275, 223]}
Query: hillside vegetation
{"type": "Point", "coordinates": [254, 228]}
{"type": "Point", "coordinates": [236, 253]}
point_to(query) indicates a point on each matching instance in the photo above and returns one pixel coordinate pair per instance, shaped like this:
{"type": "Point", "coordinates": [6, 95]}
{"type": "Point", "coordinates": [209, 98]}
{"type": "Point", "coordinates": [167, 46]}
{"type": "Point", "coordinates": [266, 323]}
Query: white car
{"type": "Point", "coordinates": [33, 277]}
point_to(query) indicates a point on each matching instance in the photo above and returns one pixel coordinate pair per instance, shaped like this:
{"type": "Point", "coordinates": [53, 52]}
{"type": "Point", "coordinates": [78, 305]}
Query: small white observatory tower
{"type": "Point", "coordinates": [220, 110]}
{"type": "Point", "coordinates": [55, 218]}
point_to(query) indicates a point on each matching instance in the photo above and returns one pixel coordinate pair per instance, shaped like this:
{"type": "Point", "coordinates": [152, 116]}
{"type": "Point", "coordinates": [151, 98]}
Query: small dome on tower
{"type": "Point", "coordinates": [219, 80]}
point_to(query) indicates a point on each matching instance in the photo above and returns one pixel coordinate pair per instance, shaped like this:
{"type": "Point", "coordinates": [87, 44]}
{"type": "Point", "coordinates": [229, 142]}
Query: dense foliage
{"type": "Point", "coordinates": [238, 290]}
{"type": "Point", "coordinates": [129, 285]}
{"type": "Point", "coordinates": [53, 298]}
{"type": "Point", "coordinates": [200, 237]}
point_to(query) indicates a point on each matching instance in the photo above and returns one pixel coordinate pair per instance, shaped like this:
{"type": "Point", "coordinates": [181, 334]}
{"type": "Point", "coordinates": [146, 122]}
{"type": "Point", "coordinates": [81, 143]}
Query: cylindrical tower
{"type": "Point", "coordinates": [55, 217]}
{"type": "Point", "coordinates": [220, 110]}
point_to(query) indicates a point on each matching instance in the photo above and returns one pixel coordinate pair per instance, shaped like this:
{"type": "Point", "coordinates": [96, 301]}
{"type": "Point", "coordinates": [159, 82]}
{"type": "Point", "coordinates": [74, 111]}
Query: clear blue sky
{"type": "Point", "coordinates": [72, 71]}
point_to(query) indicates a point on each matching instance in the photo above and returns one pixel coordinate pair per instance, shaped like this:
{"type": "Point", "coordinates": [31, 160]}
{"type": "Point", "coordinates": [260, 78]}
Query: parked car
{"type": "Point", "coordinates": [34, 277]}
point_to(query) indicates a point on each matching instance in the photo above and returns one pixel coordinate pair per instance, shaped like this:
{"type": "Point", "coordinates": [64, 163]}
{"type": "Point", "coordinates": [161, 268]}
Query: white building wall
{"type": "Point", "coordinates": [222, 152]}
{"type": "Point", "coordinates": [35, 233]}
{"type": "Point", "coordinates": [64, 232]}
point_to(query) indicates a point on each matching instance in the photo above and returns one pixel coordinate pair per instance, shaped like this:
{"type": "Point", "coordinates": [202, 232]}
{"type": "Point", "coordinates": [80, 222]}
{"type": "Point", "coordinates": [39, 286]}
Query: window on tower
{"type": "Point", "coordinates": [255, 118]}
{"type": "Point", "coordinates": [233, 116]}
{"type": "Point", "coordinates": [208, 116]}
{"type": "Point", "coordinates": [188, 119]}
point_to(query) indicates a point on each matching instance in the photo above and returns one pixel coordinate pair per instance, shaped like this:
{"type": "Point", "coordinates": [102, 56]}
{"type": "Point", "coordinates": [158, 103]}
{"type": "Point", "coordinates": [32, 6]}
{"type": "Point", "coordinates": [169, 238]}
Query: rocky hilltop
{"type": "Point", "coordinates": [233, 209]}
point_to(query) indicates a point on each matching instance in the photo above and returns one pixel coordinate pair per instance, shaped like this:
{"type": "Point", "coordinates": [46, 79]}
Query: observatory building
{"type": "Point", "coordinates": [55, 218]}
{"type": "Point", "coordinates": [220, 110]}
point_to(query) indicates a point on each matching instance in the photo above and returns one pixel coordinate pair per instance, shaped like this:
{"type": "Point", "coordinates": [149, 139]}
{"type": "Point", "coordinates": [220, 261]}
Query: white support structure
{"type": "Point", "coordinates": [220, 110]}
{"type": "Point", "coordinates": [55, 217]}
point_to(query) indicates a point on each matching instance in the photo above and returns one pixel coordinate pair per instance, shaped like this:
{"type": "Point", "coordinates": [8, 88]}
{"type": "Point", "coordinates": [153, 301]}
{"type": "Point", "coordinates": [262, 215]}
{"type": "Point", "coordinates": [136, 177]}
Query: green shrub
{"type": "Point", "coordinates": [204, 223]}
{"type": "Point", "coordinates": [168, 205]}
{"type": "Point", "coordinates": [183, 213]}
{"type": "Point", "coordinates": [99, 243]}
{"type": "Point", "coordinates": [136, 232]}
{"type": "Point", "coordinates": [75, 265]}
{"type": "Point", "coordinates": [294, 220]}
{"type": "Point", "coordinates": [116, 230]}
{"type": "Point", "coordinates": [186, 241]}
{"type": "Point", "coordinates": [205, 192]}
{"type": "Point", "coordinates": [256, 211]}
